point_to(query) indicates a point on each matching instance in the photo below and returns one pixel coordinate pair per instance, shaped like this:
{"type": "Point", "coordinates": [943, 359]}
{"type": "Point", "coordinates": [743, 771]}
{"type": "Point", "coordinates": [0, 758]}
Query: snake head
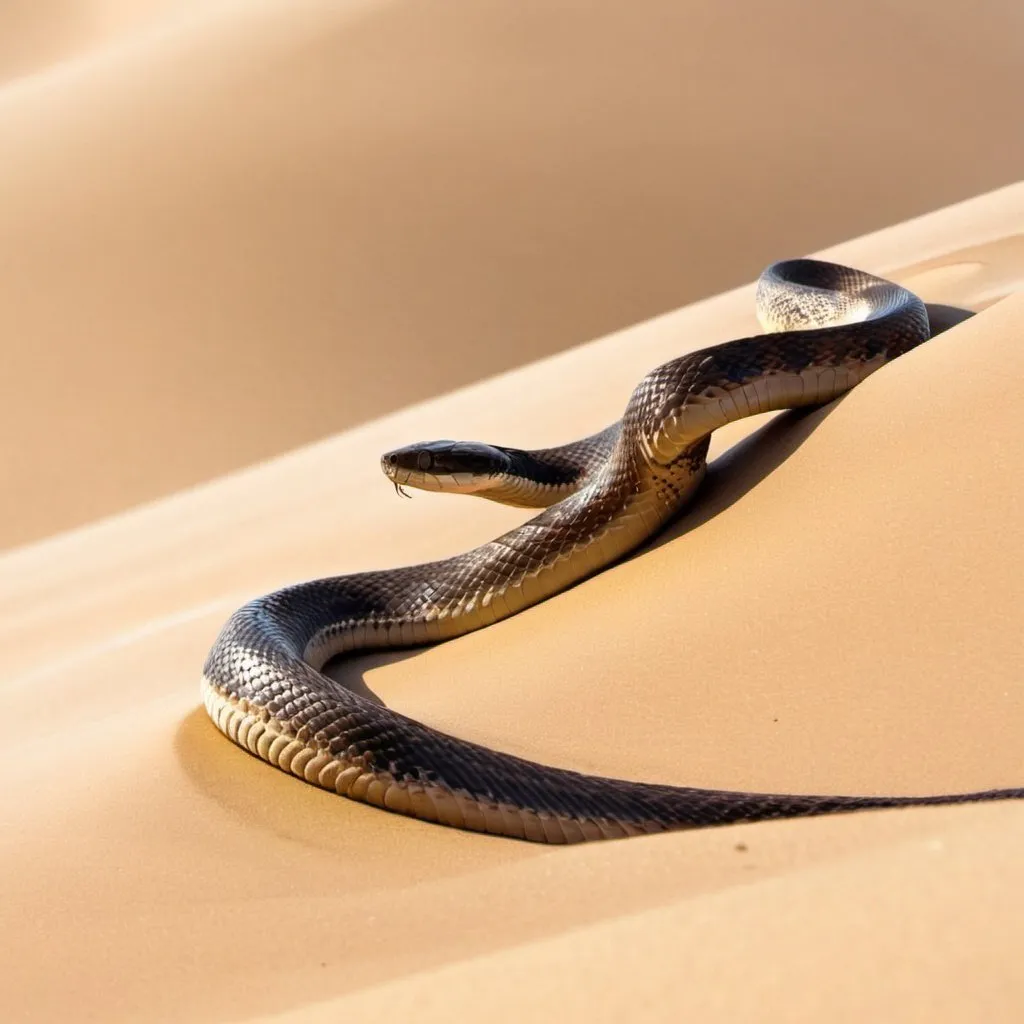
{"type": "Point", "coordinates": [455, 467]}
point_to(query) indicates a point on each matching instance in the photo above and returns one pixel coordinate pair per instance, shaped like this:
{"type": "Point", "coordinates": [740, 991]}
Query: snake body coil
{"type": "Point", "coordinates": [262, 685]}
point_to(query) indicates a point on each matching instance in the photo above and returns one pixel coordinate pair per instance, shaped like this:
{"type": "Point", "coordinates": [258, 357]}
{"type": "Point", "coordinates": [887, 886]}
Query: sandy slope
{"type": "Point", "coordinates": [233, 226]}
{"type": "Point", "coordinates": [839, 612]}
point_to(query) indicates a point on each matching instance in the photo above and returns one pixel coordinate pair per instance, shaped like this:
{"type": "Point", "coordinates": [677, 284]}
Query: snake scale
{"type": "Point", "coordinates": [828, 327]}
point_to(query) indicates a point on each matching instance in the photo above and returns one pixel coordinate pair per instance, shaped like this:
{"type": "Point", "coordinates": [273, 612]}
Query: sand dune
{"type": "Point", "coordinates": [234, 227]}
{"type": "Point", "coordinates": [231, 227]}
{"type": "Point", "coordinates": [838, 612]}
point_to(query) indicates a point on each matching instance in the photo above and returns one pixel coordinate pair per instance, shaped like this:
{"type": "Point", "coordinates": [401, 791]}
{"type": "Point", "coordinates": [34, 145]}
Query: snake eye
{"type": "Point", "coordinates": [424, 460]}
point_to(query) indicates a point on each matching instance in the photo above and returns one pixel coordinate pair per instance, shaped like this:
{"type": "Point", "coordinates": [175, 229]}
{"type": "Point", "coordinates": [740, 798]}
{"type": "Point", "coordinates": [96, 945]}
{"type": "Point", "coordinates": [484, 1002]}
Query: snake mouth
{"type": "Point", "coordinates": [399, 478]}
{"type": "Point", "coordinates": [425, 481]}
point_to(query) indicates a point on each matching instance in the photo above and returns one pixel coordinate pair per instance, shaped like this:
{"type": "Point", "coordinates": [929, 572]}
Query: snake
{"type": "Point", "coordinates": [826, 327]}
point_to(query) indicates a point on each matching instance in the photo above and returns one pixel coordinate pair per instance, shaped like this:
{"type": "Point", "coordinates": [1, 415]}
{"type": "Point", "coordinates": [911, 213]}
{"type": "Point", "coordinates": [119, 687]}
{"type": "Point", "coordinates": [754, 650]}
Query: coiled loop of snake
{"type": "Point", "coordinates": [829, 327]}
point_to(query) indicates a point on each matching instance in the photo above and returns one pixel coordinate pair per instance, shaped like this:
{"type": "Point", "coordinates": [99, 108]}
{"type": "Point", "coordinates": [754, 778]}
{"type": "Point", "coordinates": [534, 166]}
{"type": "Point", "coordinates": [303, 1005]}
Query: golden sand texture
{"type": "Point", "coordinates": [839, 612]}
{"type": "Point", "coordinates": [230, 227]}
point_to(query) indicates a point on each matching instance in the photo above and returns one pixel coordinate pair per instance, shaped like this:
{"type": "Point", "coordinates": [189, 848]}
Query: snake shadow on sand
{"type": "Point", "coordinates": [741, 467]}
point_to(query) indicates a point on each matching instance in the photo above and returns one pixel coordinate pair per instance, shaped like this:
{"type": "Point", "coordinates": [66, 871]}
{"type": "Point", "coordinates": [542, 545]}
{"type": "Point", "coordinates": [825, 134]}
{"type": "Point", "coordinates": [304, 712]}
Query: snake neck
{"type": "Point", "coordinates": [541, 477]}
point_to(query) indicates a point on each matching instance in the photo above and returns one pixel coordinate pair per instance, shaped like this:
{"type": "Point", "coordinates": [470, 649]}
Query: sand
{"type": "Point", "coordinates": [838, 612]}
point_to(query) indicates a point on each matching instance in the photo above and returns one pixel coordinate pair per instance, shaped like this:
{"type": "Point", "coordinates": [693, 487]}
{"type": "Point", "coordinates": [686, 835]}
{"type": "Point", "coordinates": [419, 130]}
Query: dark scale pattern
{"type": "Point", "coordinates": [632, 477]}
{"type": "Point", "coordinates": [576, 462]}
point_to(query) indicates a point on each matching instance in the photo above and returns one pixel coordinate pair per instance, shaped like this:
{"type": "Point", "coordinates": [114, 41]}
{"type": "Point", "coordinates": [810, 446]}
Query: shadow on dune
{"type": "Point", "coordinates": [744, 465]}
{"type": "Point", "coordinates": [942, 317]}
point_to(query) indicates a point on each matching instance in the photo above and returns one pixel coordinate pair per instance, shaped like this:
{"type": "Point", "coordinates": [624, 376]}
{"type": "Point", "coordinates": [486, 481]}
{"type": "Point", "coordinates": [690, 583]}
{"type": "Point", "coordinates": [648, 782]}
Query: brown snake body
{"type": "Point", "coordinates": [262, 685]}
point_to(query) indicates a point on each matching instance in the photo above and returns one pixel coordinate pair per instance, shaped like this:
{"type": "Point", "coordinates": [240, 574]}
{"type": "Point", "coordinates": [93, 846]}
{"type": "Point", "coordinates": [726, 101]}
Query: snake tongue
{"type": "Point", "coordinates": [400, 490]}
